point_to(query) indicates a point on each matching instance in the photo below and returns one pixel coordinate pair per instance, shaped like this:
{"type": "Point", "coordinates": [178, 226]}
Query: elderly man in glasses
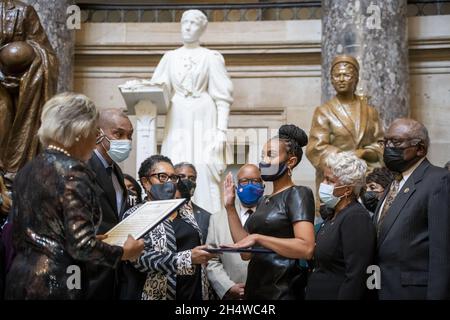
{"type": "Point", "coordinates": [228, 272]}
{"type": "Point", "coordinates": [413, 219]}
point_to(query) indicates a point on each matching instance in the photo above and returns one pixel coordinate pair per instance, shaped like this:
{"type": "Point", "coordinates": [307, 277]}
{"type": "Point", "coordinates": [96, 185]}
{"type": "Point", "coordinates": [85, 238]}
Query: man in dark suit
{"type": "Point", "coordinates": [413, 219]}
{"type": "Point", "coordinates": [113, 145]}
{"type": "Point", "coordinates": [188, 177]}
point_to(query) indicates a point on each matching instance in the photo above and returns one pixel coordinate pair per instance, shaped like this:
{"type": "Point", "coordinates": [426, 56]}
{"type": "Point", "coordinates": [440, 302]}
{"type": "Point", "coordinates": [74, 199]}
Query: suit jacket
{"type": "Point", "coordinates": [413, 246]}
{"type": "Point", "coordinates": [103, 281]}
{"type": "Point", "coordinates": [202, 217]}
{"type": "Point", "coordinates": [108, 202]}
{"type": "Point", "coordinates": [228, 268]}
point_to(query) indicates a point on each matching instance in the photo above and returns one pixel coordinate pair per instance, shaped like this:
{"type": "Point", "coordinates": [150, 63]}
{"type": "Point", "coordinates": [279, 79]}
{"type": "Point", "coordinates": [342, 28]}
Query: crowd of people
{"type": "Point", "coordinates": [65, 200]}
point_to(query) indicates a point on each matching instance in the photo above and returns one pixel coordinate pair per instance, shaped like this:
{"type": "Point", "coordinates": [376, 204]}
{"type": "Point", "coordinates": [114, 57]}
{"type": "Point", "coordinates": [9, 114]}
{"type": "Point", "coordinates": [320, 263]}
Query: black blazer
{"type": "Point", "coordinates": [413, 246]}
{"type": "Point", "coordinates": [108, 202]}
{"type": "Point", "coordinates": [345, 247]}
{"type": "Point", "coordinates": [103, 281]}
{"type": "Point", "coordinates": [202, 217]}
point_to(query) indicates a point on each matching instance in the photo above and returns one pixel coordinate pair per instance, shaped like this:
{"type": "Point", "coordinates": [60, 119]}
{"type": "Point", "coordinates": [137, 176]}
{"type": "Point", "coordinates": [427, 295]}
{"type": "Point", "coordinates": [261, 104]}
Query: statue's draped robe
{"type": "Point", "coordinates": [201, 95]}
{"type": "Point", "coordinates": [20, 111]}
{"type": "Point", "coordinates": [334, 129]}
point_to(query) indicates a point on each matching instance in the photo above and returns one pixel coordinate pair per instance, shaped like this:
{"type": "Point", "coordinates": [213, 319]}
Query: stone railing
{"type": "Point", "coordinates": [300, 10]}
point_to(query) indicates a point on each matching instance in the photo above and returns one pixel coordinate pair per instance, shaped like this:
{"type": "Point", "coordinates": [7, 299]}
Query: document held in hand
{"type": "Point", "coordinates": [144, 219]}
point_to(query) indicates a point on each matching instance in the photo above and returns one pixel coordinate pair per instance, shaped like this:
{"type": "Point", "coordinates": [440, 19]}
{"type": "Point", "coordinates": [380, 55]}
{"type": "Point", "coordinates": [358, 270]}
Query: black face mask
{"type": "Point", "coordinates": [370, 200]}
{"type": "Point", "coordinates": [268, 172]}
{"type": "Point", "coordinates": [325, 212]}
{"type": "Point", "coordinates": [163, 191]}
{"type": "Point", "coordinates": [187, 188]}
{"type": "Point", "coordinates": [393, 159]}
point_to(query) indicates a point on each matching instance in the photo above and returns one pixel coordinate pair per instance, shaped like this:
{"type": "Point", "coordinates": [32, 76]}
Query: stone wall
{"type": "Point", "coordinates": [275, 68]}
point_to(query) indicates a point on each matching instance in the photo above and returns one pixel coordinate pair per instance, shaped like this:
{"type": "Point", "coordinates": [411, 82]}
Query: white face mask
{"type": "Point", "coordinates": [119, 150]}
{"type": "Point", "coordinates": [327, 197]}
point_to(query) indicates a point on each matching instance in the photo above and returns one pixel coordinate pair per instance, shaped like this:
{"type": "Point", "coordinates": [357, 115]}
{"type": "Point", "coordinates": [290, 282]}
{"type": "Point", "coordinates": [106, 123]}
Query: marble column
{"type": "Point", "coordinates": [375, 32]}
{"type": "Point", "coordinates": [53, 16]}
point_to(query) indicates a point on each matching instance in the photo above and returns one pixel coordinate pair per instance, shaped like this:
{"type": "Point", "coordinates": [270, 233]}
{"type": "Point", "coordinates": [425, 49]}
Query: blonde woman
{"type": "Point", "coordinates": [56, 212]}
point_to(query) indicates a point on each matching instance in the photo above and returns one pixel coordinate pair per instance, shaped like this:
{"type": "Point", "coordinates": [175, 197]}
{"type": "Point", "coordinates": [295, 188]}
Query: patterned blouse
{"type": "Point", "coordinates": [162, 262]}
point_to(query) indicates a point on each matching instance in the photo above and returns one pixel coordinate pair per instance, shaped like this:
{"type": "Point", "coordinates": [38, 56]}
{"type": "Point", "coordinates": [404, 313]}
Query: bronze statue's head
{"type": "Point", "coordinates": [344, 73]}
{"type": "Point", "coordinates": [16, 58]}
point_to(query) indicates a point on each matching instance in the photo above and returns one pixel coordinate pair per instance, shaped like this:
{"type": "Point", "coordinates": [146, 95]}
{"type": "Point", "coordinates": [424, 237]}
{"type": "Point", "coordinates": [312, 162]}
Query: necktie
{"type": "Point", "coordinates": [249, 212]}
{"type": "Point", "coordinates": [393, 190]}
{"type": "Point", "coordinates": [109, 171]}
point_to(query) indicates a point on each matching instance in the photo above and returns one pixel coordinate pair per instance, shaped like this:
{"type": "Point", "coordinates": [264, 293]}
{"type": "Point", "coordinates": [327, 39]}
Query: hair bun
{"type": "Point", "coordinates": [293, 132]}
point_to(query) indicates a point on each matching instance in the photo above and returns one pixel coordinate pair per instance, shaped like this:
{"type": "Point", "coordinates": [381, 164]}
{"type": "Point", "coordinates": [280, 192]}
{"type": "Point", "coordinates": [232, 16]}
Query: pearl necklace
{"type": "Point", "coordinates": [52, 147]}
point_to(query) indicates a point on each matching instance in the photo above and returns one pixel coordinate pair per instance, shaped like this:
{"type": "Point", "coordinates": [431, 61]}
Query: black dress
{"type": "Point", "coordinates": [271, 276]}
{"type": "Point", "coordinates": [189, 287]}
{"type": "Point", "coordinates": [55, 215]}
{"type": "Point", "coordinates": [345, 247]}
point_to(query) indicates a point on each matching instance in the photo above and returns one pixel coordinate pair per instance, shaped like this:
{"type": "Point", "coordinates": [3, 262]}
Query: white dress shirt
{"type": "Point", "coordinates": [243, 215]}
{"type": "Point", "coordinates": [117, 186]}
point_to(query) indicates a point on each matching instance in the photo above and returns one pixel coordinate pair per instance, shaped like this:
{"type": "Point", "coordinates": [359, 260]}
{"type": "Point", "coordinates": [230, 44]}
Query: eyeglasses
{"type": "Point", "coordinates": [397, 143]}
{"type": "Point", "coordinates": [164, 177]}
{"type": "Point", "coordinates": [245, 181]}
{"type": "Point", "coordinates": [192, 178]}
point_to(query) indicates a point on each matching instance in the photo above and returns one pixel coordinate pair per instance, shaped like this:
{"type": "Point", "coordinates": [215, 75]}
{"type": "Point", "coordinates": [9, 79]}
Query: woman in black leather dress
{"type": "Point", "coordinates": [282, 222]}
{"type": "Point", "coordinates": [56, 212]}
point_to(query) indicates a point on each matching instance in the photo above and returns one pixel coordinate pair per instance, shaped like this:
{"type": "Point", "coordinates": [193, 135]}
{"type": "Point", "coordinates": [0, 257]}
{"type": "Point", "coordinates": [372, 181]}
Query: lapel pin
{"type": "Point", "coordinates": [406, 190]}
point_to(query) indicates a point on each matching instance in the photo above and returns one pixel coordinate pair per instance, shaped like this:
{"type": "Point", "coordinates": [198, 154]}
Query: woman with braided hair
{"type": "Point", "coordinates": [282, 222]}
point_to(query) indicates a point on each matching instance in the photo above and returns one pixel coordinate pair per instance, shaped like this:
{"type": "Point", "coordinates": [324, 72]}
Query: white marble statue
{"type": "Point", "coordinates": [201, 94]}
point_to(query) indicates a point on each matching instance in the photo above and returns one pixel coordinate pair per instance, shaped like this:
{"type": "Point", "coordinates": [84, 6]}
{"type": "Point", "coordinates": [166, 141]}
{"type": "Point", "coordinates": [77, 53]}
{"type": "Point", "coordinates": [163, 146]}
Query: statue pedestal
{"type": "Point", "coordinates": [146, 144]}
{"type": "Point", "coordinates": [145, 101]}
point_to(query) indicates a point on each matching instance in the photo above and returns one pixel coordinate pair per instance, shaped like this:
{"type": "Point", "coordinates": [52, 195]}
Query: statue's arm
{"type": "Point", "coordinates": [220, 89]}
{"type": "Point", "coordinates": [373, 152]}
{"type": "Point", "coordinates": [162, 72]}
{"type": "Point", "coordinates": [319, 145]}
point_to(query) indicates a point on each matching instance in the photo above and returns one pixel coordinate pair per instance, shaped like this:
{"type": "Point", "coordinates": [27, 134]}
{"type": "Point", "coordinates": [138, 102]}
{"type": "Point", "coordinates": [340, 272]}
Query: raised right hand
{"type": "Point", "coordinates": [132, 249]}
{"type": "Point", "coordinates": [229, 191]}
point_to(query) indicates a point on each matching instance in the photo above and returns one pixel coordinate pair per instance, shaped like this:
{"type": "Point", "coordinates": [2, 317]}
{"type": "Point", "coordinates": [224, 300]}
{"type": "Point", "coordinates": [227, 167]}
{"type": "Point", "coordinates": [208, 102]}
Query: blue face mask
{"type": "Point", "coordinates": [250, 194]}
{"type": "Point", "coordinates": [327, 197]}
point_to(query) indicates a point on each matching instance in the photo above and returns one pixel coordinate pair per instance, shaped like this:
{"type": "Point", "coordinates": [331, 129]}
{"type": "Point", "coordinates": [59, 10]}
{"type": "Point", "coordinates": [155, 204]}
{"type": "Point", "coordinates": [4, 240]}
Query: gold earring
{"type": "Point", "coordinates": [77, 139]}
{"type": "Point", "coordinates": [289, 172]}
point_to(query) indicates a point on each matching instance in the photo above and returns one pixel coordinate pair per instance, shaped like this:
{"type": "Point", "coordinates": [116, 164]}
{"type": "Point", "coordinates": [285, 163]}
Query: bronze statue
{"type": "Point", "coordinates": [28, 77]}
{"type": "Point", "coordinates": [346, 122]}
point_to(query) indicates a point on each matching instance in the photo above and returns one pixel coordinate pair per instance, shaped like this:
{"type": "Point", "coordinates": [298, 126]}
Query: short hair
{"type": "Point", "coordinates": [294, 138]}
{"type": "Point", "coordinates": [150, 163]}
{"type": "Point", "coordinates": [383, 176]}
{"type": "Point", "coordinates": [185, 164]}
{"type": "Point", "coordinates": [106, 117]}
{"type": "Point", "coordinates": [66, 117]}
{"type": "Point", "coordinates": [348, 169]}
{"type": "Point", "coordinates": [199, 16]}
{"type": "Point", "coordinates": [416, 130]}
